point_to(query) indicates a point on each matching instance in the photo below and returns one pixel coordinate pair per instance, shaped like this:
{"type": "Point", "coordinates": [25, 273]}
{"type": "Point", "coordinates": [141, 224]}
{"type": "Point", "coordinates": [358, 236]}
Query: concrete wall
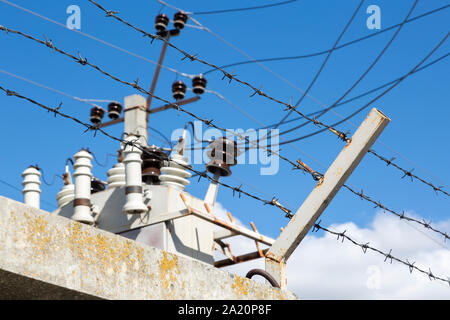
{"type": "Point", "coordinates": [44, 256]}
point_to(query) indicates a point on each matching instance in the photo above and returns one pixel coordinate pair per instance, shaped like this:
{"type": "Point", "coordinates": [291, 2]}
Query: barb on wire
{"type": "Point", "coordinates": [366, 246]}
{"type": "Point", "coordinates": [408, 173]}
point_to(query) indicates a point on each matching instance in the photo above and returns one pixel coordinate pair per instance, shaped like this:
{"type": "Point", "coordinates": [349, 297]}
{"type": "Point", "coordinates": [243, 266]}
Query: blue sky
{"type": "Point", "coordinates": [418, 107]}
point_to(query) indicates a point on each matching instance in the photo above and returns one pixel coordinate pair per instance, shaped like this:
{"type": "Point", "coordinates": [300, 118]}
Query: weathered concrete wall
{"type": "Point", "coordinates": [47, 256]}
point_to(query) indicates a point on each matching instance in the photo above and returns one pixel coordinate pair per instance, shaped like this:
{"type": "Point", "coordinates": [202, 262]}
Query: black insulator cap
{"type": "Point", "coordinates": [161, 22]}
{"type": "Point", "coordinates": [178, 90]}
{"type": "Point", "coordinates": [179, 20]}
{"type": "Point", "coordinates": [97, 114]}
{"type": "Point", "coordinates": [199, 84]}
{"type": "Point", "coordinates": [114, 110]}
{"type": "Point", "coordinates": [97, 186]}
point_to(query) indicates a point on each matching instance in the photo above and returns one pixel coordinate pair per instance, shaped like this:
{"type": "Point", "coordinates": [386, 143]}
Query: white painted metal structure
{"type": "Point", "coordinates": [165, 216]}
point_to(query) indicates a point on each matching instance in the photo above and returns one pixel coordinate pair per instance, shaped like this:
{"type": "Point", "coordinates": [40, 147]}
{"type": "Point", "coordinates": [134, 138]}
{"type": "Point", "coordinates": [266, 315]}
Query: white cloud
{"type": "Point", "coordinates": [324, 268]}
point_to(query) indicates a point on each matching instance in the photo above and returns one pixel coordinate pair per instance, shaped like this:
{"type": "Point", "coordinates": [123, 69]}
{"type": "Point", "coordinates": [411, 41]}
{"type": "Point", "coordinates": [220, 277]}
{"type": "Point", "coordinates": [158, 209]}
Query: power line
{"type": "Point", "coordinates": [97, 39]}
{"type": "Point", "coordinates": [365, 73]}
{"type": "Point", "coordinates": [376, 98]}
{"type": "Point", "coordinates": [319, 53]}
{"type": "Point", "coordinates": [365, 93]}
{"type": "Point", "coordinates": [323, 64]}
{"type": "Point", "coordinates": [243, 9]}
{"type": "Point", "coordinates": [40, 85]}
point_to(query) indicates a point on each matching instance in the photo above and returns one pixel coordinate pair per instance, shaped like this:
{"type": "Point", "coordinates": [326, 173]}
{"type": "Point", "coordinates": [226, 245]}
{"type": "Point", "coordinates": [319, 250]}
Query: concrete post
{"type": "Point", "coordinates": [135, 117]}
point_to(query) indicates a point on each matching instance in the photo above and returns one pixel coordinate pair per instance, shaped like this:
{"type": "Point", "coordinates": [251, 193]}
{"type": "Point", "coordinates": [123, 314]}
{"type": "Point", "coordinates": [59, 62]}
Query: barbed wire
{"type": "Point", "coordinates": [378, 204]}
{"type": "Point", "coordinates": [367, 246]}
{"type": "Point", "coordinates": [236, 190]}
{"type": "Point", "coordinates": [408, 173]}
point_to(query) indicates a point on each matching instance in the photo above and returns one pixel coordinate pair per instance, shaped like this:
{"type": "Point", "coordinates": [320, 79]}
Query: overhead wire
{"type": "Point", "coordinates": [319, 53]}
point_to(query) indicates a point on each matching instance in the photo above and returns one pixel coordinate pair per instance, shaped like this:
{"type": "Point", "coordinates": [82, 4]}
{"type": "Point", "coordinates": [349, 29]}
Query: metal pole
{"type": "Point", "coordinates": [323, 193]}
{"type": "Point", "coordinates": [156, 75]}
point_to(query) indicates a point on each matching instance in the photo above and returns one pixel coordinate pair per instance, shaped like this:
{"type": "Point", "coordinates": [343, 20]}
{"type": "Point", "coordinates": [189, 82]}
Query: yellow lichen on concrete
{"type": "Point", "coordinates": [37, 233]}
{"type": "Point", "coordinates": [168, 270]}
{"type": "Point", "coordinates": [240, 286]}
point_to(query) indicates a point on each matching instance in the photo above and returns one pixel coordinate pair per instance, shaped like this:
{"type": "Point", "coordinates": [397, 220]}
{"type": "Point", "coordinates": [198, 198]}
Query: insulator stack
{"type": "Point", "coordinates": [161, 22]}
{"type": "Point", "coordinates": [152, 161]}
{"type": "Point", "coordinates": [175, 174]}
{"type": "Point", "coordinates": [133, 177]}
{"type": "Point", "coordinates": [31, 187]}
{"type": "Point", "coordinates": [114, 110]}
{"type": "Point", "coordinates": [67, 192]}
{"type": "Point", "coordinates": [179, 20]}
{"type": "Point", "coordinates": [178, 90]}
{"type": "Point", "coordinates": [223, 153]}
{"type": "Point", "coordinates": [116, 176]}
{"type": "Point", "coordinates": [199, 84]}
{"type": "Point", "coordinates": [97, 114]}
{"type": "Point", "coordinates": [82, 173]}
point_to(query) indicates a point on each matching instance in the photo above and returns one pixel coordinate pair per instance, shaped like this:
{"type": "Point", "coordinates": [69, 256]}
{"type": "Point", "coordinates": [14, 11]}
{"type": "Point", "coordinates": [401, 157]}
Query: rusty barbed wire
{"type": "Point", "coordinates": [366, 246]}
{"type": "Point", "coordinates": [226, 74]}
{"type": "Point", "coordinates": [56, 111]}
{"type": "Point", "coordinates": [408, 173]}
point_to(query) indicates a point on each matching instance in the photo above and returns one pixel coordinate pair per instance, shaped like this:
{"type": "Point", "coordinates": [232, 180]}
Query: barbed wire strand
{"type": "Point", "coordinates": [367, 246]}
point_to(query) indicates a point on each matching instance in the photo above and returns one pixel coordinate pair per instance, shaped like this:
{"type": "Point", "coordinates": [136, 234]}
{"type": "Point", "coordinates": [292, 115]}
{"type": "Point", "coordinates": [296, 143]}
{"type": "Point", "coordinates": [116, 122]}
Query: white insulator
{"type": "Point", "coordinates": [133, 177]}
{"type": "Point", "coordinates": [175, 174]}
{"type": "Point", "coordinates": [83, 176]}
{"type": "Point", "coordinates": [66, 195]}
{"type": "Point", "coordinates": [31, 187]}
{"type": "Point", "coordinates": [116, 176]}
